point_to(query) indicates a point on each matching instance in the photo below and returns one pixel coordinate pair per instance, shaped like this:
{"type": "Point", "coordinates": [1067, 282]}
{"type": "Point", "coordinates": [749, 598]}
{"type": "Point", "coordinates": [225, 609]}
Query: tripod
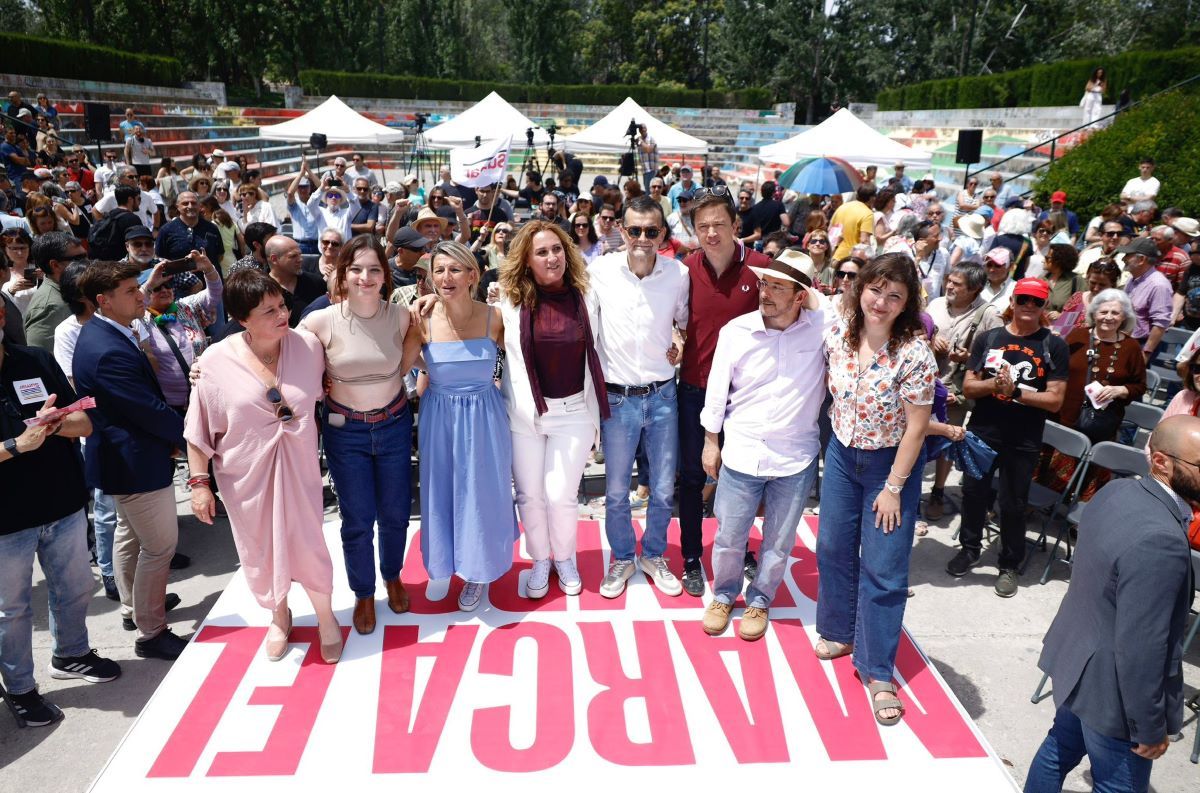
{"type": "Point", "coordinates": [529, 159]}
{"type": "Point", "coordinates": [420, 152]}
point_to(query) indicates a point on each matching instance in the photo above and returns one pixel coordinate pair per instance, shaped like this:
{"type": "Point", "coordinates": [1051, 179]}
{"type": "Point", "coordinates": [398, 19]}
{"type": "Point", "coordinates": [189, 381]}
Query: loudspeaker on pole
{"type": "Point", "coordinates": [970, 141]}
{"type": "Point", "coordinates": [96, 116]}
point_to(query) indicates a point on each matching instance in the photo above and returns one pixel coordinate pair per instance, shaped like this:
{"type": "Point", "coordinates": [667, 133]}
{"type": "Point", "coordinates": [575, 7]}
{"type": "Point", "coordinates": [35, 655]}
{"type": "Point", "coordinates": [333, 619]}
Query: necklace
{"type": "Point", "coordinates": [454, 327]}
{"type": "Point", "coordinates": [266, 359]}
{"type": "Point", "coordinates": [373, 314]}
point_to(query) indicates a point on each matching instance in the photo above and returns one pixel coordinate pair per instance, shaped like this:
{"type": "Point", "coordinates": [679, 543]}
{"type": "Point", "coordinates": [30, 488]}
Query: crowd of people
{"type": "Point", "coordinates": [734, 345]}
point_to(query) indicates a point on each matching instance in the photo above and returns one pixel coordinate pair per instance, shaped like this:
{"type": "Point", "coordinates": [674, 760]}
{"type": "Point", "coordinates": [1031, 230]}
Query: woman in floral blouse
{"type": "Point", "coordinates": [881, 377]}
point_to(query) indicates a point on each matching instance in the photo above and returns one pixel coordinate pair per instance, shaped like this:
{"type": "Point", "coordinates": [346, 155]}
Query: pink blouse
{"type": "Point", "coordinates": [868, 405]}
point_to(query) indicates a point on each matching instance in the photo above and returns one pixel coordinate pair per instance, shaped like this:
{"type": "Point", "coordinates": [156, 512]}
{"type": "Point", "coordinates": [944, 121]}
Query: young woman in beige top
{"type": "Point", "coordinates": [369, 345]}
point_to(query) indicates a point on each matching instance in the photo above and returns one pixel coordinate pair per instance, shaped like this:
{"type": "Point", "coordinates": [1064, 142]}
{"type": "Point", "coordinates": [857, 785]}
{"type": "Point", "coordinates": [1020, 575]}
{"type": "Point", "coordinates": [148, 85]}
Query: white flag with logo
{"type": "Point", "coordinates": [482, 165]}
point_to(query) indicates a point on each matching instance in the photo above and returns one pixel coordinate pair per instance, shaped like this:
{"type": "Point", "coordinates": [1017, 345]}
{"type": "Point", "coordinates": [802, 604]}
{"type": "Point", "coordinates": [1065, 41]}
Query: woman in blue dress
{"type": "Point", "coordinates": [468, 523]}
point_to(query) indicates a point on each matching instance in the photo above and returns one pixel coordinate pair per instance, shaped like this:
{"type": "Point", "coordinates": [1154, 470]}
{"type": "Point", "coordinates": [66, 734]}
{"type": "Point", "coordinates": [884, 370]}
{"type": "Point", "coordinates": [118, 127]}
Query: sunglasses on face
{"type": "Point", "coordinates": [1042, 232]}
{"type": "Point", "coordinates": [607, 218]}
{"type": "Point", "coordinates": [330, 244]}
{"type": "Point", "coordinates": [580, 225]}
{"type": "Point", "coordinates": [283, 411]}
{"type": "Point", "coordinates": [818, 241]}
{"type": "Point", "coordinates": [849, 276]}
{"type": "Point", "coordinates": [636, 232]}
{"type": "Point", "coordinates": [163, 287]}
{"type": "Point", "coordinates": [1025, 300]}
{"type": "Point", "coordinates": [720, 191]}
{"type": "Point", "coordinates": [1111, 233]}
{"type": "Point", "coordinates": [936, 214]}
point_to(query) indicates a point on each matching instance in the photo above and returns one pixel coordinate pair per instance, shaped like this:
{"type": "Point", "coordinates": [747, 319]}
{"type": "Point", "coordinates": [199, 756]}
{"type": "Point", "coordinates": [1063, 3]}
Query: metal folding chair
{"type": "Point", "coordinates": [1051, 503]}
{"type": "Point", "coordinates": [1122, 461]}
{"type": "Point", "coordinates": [1153, 383]}
{"type": "Point", "coordinates": [1145, 417]}
{"type": "Point", "coordinates": [1194, 703]}
{"type": "Point", "coordinates": [1169, 379]}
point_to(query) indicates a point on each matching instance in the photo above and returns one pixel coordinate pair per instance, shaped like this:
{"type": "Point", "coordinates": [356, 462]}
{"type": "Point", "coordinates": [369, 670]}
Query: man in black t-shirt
{"type": "Point", "coordinates": [490, 209]}
{"type": "Point", "coordinates": [533, 190]}
{"type": "Point", "coordinates": [769, 214]}
{"type": "Point", "coordinates": [1017, 375]}
{"type": "Point", "coordinates": [44, 500]}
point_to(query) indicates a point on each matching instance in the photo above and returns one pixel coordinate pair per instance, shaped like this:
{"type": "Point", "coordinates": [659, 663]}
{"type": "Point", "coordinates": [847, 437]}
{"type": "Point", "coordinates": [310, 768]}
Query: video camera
{"type": "Point", "coordinates": [632, 130]}
{"type": "Point", "coordinates": [420, 119]}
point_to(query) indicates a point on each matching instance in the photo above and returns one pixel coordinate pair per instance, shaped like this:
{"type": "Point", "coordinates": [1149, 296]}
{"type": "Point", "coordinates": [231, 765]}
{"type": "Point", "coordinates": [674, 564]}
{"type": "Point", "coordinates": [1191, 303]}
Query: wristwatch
{"type": "Point", "coordinates": [893, 489]}
{"type": "Point", "coordinates": [10, 446]}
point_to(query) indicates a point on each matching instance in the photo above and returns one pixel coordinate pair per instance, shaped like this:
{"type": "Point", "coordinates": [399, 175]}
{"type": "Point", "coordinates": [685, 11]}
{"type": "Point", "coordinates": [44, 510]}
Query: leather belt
{"type": "Point", "coordinates": [371, 416]}
{"type": "Point", "coordinates": [636, 390]}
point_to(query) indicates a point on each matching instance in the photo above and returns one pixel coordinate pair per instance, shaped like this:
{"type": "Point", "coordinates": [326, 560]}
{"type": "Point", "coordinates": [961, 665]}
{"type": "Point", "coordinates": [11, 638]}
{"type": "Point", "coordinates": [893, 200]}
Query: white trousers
{"type": "Point", "coordinates": [547, 467]}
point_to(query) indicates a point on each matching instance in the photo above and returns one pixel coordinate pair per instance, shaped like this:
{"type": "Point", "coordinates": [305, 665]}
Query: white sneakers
{"type": "Point", "coordinates": [568, 577]}
{"type": "Point", "coordinates": [471, 594]}
{"type": "Point", "coordinates": [660, 574]}
{"type": "Point", "coordinates": [539, 580]}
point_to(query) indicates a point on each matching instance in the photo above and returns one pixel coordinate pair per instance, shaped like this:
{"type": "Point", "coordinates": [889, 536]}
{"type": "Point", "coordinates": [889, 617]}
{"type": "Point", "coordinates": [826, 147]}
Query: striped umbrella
{"type": "Point", "coordinates": [821, 176]}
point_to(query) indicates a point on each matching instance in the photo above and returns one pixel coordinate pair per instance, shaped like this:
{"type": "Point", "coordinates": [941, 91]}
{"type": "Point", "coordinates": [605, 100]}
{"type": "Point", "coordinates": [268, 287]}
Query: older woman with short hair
{"type": "Point", "coordinates": [253, 414]}
{"type": "Point", "coordinates": [1104, 353]}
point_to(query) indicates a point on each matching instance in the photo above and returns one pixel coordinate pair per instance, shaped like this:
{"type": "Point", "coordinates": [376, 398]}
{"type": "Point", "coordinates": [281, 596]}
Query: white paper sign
{"type": "Point", "coordinates": [482, 165]}
{"type": "Point", "coordinates": [31, 391]}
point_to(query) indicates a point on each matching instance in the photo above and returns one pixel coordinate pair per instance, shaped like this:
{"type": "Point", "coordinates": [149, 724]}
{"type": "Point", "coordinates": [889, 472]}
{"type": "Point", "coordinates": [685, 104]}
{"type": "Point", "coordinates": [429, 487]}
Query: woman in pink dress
{"type": "Point", "coordinates": [253, 415]}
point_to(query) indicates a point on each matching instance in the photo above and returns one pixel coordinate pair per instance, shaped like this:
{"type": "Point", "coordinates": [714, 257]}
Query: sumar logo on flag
{"type": "Point", "coordinates": [482, 165]}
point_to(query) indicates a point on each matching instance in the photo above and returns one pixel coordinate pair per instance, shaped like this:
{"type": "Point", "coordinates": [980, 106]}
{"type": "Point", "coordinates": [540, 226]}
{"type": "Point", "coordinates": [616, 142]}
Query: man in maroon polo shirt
{"type": "Point", "coordinates": [723, 287]}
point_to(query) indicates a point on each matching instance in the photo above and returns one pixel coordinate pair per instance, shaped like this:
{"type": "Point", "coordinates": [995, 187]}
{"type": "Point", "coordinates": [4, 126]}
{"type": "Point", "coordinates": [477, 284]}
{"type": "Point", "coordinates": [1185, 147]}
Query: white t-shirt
{"type": "Point", "coordinates": [1138, 189]}
{"type": "Point", "coordinates": [65, 336]}
{"type": "Point", "coordinates": [139, 150]}
{"type": "Point", "coordinates": [145, 210]}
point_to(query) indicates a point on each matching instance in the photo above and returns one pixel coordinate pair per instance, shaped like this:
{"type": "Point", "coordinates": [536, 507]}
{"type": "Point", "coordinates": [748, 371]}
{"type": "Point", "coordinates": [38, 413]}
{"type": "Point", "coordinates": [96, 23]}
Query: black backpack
{"type": "Point", "coordinates": [106, 239]}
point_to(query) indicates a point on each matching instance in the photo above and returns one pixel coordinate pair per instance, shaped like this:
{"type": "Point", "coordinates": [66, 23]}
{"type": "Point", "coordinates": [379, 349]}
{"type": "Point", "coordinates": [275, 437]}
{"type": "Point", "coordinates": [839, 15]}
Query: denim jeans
{"type": "Point", "coordinates": [862, 587]}
{"type": "Point", "coordinates": [61, 549]}
{"type": "Point", "coordinates": [371, 466]}
{"type": "Point", "coordinates": [691, 473]}
{"type": "Point", "coordinates": [1115, 768]}
{"type": "Point", "coordinates": [104, 516]}
{"type": "Point", "coordinates": [738, 497]}
{"type": "Point", "coordinates": [653, 417]}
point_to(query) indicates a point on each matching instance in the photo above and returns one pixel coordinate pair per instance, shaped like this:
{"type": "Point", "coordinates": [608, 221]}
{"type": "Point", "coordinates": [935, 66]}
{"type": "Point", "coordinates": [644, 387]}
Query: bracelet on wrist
{"type": "Point", "coordinates": [901, 477]}
{"type": "Point", "coordinates": [199, 481]}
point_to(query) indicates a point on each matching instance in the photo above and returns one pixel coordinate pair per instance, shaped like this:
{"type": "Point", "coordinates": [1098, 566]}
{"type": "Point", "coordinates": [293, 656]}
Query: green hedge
{"type": "Point", "coordinates": [397, 86]}
{"type": "Point", "coordinates": [1094, 172]}
{"type": "Point", "coordinates": [1050, 84]}
{"type": "Point", "coordinates": [20, 54]}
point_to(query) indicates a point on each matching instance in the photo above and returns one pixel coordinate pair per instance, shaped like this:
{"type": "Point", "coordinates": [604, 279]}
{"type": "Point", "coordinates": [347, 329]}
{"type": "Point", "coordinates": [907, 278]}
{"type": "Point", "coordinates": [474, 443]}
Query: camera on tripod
{"type": "Point", "coordinates": [420, 119]}
{"type": "Point", "coordinates": [631, 131]}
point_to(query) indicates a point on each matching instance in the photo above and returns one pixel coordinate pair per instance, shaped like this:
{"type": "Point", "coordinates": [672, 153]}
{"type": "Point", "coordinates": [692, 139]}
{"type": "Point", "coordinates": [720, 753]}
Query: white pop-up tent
{"type": "Point", "coordinates": [338, 122]}
{"type": "Point", "coordinates": [490, 119]}
{"type": "Point", "coordinates": [608, 134]}
{"type": "Point", "coordinates": [845, 136]}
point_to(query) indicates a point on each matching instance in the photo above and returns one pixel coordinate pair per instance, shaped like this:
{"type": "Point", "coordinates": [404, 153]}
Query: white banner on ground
{"type": "Point", "coordinates": [482, 165]}
{"type": "Point", "coordinates": [562, 693]}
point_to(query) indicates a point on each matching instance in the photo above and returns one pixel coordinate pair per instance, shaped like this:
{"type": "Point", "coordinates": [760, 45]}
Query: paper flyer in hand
{"type": "Point", "coordinates": [58, 413]}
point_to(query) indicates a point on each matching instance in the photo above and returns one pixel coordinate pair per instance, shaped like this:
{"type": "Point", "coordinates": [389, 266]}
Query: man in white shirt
{"type": "Point", "coordinates": [1142, 187]}
{"type": "Point", "coordinates": [221, 165]}
{"type": "Point", "coordinates": [126, 175]}
{"type": "Point", "coordinates": [764, 392]}
{"type": "Point", "coordinates": [642, 298]}
{"type": "Point", "coordinates": [138, 151]}
{"type": "Point", "coordinates": [359, 170]}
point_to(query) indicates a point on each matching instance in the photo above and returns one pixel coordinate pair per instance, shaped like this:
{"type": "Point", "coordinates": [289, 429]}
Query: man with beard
{"type": "Point", "coordinates": [1112, 652]}
{"type": "Point", "coordinates": [139, 250]}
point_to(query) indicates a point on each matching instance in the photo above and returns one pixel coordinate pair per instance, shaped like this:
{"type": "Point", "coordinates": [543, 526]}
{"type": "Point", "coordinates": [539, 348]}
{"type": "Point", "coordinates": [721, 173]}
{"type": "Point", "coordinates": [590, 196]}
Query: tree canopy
{"type": "Point", "coordinates": [813, 52]}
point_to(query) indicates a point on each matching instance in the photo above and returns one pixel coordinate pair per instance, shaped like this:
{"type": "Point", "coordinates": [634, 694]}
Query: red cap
{"type": "Point", "coordinates": [1058, 197]}
{"type": "Point", "coordinates": [1035, 287]}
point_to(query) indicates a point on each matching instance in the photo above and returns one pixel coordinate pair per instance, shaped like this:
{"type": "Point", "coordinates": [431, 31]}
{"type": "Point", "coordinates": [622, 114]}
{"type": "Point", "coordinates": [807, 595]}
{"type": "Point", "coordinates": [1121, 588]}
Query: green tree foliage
{"type": "Point", "coordinates": [1094, 172]}
{"type": "Point", "coordinates": [812, 52]}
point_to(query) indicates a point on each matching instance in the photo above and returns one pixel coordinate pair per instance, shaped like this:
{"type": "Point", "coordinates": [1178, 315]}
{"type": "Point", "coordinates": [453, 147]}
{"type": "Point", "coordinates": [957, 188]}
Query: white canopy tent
{"type": "Point", "coordinates": [338, 122]}
{"type": "Point", "coordinates": [844, 136]}
{"type": "Point", "coordinates": [608, 134]}
{"type": "Point", "coordinates": [490, 119]}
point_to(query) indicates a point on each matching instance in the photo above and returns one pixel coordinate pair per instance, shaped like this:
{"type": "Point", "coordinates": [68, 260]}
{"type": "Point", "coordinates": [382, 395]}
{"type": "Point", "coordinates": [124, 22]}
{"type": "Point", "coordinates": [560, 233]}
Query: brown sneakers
{"type": "Point", "coordinates": [754, 623]}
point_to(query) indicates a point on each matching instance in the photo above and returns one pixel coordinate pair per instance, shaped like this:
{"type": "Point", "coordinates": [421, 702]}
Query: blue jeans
{"type": "Point", "coordinates": [61, 549]}
{"type": "Point", "coordinates": [1115, 768]}
{"type": "Point", "coordinates": [738, 497]}
{"type": "Point", "coordinates": [691, 473]}
{"type": "Point", "coordinates": [104, 516]}
{"type": "Point", "coordinates": [862, 587]}
{"type": "Point", "coordinates": [655, 419]}
{"type": "Point", "coordinates": [371, 466]}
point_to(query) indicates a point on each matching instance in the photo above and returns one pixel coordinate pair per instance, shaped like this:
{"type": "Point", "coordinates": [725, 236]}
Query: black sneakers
{"type": "Point", "coordinates": [110, 587]}
{"type": "Point", "coordinates": [693, 581]}
{"type": "Point", "coordinates": [89, 666]}
{"type": "Point", "coordinates": [165, 645]}
{"type": "Point", "coordinates": [179, 561]}
{"type": "Point", "coordinates": [35, 711]}
{"type": "Point", "coordinates": [171, 601]}
{"type": "Point", "coordinates": [963, 561]}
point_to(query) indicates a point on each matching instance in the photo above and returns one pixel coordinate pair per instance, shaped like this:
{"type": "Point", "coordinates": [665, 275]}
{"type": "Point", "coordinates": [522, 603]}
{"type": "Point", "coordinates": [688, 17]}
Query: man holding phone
{"type": "Point", "coordinates": [188, 232]}
{"type": "Point", "coordinates": [139, 247]}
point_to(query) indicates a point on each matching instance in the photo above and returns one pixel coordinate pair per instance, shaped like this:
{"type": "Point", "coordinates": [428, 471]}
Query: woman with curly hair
{"type": "Point", "coordinates": [553, 387]}
{"type": "Point", "coordinates": [881, 377]}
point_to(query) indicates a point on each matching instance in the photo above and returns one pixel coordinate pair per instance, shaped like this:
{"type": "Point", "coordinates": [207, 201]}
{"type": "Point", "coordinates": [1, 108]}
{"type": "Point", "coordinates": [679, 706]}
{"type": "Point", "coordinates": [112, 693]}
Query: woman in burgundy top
{"type": "Point", "coordinates": [553, 389]}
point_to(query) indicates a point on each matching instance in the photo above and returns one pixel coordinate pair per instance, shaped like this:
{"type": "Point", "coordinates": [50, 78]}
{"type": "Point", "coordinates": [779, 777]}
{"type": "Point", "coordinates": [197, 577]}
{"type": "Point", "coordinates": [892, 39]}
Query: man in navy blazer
{"type": "Point", "coordinates": [1115, 649]}
{"type": "Point", "coordinates": [129, 455]}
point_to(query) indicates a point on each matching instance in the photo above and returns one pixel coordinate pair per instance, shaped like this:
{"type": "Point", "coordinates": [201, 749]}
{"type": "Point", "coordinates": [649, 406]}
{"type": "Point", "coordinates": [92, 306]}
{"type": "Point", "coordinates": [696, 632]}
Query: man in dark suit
{"type": "Point", "coordinates": [1115, 650]}
{"type": "Point", "coordinates": [129, 454]}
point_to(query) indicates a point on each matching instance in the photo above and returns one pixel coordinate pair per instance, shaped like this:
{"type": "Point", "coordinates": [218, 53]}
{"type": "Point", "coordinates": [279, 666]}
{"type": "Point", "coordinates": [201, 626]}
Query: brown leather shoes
{"type": "Point", "coordinates": [397, 596]}
{"type": "Point", "coordinates": [364, 615]}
